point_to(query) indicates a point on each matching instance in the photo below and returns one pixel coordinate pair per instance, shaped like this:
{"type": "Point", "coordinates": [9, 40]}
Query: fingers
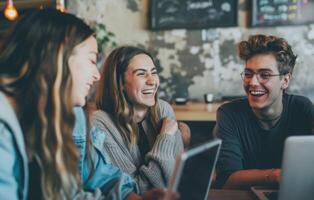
{"type": "Point", "coordinates": [159, 193]}
{"type": "Point", "coordinates": [163, 194]}
{"type": "Point", "coordinates": [174, 196]}
{"type": "Point", "coordinates": [154, 194]}
{"type": "Point", "coordinates": [169, 126]}
{"type": "Point", "coordinates": [185, 133]}
{"type": "Point", "coordinates": [170, 195]}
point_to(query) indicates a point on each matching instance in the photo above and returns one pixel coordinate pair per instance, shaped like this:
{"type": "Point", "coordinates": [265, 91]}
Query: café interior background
{"type": "Point", "coordinates": [195, 62]}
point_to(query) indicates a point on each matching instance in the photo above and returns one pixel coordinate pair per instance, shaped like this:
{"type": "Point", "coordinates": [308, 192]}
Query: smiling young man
{"type": "Point", "coordinates": [253, 129]}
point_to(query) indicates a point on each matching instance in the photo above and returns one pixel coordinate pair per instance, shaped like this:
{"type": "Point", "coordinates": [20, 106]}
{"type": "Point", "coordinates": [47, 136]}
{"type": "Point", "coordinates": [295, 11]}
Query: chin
{"type": "Point", "coordinates": [257, 105]}
{"type": "Point", "coordinates": [80, 103]}
{"type": "Point", "coordinates": [151, 103]}
{"type": "Point", "coordinates": [147, 104]}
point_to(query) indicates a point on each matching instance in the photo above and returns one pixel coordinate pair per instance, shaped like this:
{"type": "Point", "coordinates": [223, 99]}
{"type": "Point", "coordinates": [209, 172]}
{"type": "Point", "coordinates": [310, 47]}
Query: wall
{"type": "Point", "coordinates": [194, 62]}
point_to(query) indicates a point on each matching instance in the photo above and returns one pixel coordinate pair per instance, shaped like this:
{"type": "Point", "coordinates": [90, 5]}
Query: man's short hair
{"type": "Point", "coordinates": [262, 44]}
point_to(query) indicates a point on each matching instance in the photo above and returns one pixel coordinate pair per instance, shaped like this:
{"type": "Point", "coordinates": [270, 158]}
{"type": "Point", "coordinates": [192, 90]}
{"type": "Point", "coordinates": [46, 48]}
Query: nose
{"type": "Point", "coordinates": [151, 79]}
{"type": "Point", "coordinates": [254, 80]}
{"type": "Point", "coordinates": [96, 75]}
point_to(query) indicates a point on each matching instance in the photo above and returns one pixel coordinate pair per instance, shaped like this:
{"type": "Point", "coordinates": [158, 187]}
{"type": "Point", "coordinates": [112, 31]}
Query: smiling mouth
{"type": "Point", "coordinates": [149, 91]}
{"type": "Point", "coordinates": [257, 93]}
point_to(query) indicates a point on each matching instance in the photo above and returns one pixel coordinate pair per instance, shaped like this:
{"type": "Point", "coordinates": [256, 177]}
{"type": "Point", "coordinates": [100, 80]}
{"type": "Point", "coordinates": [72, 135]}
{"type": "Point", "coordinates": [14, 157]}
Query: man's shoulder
{"type": "Point", "coordinates": [298, 102]}
{"type": "Point", "coordinates": [297, 98]}
{"type": "Point", "coordinates": [235, 105]}
{"type": "Point", "coordinates": [236, 110]}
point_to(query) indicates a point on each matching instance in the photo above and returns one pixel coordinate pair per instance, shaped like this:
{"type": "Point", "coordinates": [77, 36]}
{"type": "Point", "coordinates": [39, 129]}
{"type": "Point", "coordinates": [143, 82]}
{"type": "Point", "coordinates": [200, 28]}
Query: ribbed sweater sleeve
{"type": "Point", "coordinates": [159, 161]}
{"type": "Point", "coordinates": [164, 150]}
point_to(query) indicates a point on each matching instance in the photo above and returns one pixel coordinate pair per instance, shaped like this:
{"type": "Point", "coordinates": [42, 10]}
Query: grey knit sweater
{"type": "Point", "coordinates": [156, 168]}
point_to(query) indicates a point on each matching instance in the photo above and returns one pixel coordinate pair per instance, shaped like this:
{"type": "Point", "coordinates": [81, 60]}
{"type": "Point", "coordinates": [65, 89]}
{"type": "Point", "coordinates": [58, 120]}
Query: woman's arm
{"type": "Point", "coordinates": [185, 132]}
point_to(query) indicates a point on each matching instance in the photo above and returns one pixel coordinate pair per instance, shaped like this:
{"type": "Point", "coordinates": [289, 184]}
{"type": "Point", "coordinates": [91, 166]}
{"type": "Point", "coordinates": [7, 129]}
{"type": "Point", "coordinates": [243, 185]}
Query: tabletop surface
{"type": "Point", "coordinates": [196, 111]}
{"type": "Point", "coordinates": [215, 194]}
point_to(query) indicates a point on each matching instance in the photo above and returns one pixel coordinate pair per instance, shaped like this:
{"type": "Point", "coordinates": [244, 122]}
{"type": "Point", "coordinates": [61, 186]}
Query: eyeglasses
{"type": "Point", "coordinates": [262, 76]}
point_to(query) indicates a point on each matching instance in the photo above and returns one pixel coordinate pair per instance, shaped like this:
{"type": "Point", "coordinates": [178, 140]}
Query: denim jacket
{"type": "Point", "coordinates": [113, 183]}
{"type": "Point", "coordinates": [14, 161]}
{"type": "Point", "coordinates": [14, 174]}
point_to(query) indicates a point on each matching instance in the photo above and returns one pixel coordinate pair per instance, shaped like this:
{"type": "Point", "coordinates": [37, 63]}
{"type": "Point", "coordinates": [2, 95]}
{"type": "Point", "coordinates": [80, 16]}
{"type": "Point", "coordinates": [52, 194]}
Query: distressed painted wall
{"type": "Point", "coordinates": [194, 62]}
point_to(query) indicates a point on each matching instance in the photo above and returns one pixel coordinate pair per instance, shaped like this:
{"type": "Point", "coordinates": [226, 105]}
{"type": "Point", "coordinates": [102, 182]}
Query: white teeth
{"type": "Point", "coordinates": [148, 91]}
{"type": "Point", "coordinates": [257, 92]}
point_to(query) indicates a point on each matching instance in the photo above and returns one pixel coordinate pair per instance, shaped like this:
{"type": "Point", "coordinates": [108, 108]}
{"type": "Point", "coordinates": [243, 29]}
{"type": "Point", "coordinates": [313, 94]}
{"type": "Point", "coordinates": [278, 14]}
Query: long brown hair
{"type": "Point", "coordinates": [34, 71]}
{"type": "Point", "coordinates": [112, 99]}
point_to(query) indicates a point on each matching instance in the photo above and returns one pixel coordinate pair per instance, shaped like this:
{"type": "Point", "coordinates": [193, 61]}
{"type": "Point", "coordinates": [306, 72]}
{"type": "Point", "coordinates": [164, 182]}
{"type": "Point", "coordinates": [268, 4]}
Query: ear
{"type": "Point", "coordinates": [285, 81]}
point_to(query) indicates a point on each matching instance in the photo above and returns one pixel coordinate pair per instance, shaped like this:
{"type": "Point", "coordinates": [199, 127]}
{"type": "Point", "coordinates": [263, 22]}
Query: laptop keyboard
{"type": "Point", "coordinates": [271, 195]}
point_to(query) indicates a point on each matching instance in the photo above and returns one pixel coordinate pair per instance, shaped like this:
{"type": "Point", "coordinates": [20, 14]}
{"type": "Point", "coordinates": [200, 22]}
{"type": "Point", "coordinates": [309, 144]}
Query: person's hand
{"type": "Point", "coordinates": [186, 133]}
{"type": "Point", "coordinates": [169, 126]}
{"type": "Point", "coordinates": [159, 194]}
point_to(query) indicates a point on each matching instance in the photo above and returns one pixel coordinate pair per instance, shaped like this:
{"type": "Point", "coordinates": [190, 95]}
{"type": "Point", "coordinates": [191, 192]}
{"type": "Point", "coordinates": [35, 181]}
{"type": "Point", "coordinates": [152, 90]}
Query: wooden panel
{"type": "Point", "coordinates": [231, 195]}
{"type": "Point", "coordinates": [196, 111]}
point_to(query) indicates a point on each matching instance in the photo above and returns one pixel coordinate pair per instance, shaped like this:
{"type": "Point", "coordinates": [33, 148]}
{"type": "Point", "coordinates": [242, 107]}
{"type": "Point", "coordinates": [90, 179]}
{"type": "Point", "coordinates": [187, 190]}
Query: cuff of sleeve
{"type": "Point", "coordinates": [129, 186]}
{"type": "Point", "coordinates": [165, 145]}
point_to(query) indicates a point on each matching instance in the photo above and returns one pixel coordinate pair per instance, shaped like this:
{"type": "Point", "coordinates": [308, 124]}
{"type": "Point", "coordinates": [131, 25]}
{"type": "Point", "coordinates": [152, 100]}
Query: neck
{"type": "Point", "coordinates": [139, 114]}
{"type": "Point", "coordinates": [268, 117]}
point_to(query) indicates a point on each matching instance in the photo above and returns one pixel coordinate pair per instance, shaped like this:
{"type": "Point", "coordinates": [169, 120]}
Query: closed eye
{"type": "Point", "coordinates": [265, 75]}
{"type": "Point", "coordinates": [140, 74]}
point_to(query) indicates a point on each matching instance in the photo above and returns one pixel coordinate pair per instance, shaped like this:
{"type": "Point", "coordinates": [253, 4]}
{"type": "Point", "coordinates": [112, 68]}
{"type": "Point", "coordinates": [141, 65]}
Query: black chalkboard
{"type": "Point", "coordinates": [192, 14]}
{"type": "Point", "coordinates": [282, 12]}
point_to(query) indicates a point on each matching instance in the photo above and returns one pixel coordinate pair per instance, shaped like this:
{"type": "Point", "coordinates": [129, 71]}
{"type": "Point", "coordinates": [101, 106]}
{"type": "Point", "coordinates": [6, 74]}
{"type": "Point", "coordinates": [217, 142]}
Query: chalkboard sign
{"type": "Point", "coordinates": [282, 12]}
{"type": "Point", "coordinates": [192, 14]}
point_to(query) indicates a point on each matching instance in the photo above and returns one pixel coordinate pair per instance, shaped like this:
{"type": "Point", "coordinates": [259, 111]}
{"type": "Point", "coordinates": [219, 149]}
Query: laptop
{"type": "Point", "coordinates": [194, 170]}
{"type": "Point", "coordinates": [297, 174]}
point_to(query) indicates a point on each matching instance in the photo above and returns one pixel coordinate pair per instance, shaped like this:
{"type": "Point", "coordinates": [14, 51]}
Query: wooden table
{"type": "Point", "coordinates": [193, 111]}
{"type": "Point", "coordinates": [231, 195]}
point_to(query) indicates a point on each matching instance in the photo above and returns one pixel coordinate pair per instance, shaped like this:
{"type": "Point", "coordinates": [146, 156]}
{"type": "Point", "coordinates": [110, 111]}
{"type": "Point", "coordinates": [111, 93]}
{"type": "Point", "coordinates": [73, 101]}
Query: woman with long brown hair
{"type": "Point", "coordinates": [47, 66]}
{"type": "Point", "coordinates": [141, 133]}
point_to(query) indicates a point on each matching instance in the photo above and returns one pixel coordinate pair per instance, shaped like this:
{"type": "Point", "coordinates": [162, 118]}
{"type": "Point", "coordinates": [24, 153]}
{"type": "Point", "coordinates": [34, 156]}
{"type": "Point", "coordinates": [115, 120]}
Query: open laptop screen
{"type": "Point", "coordinates": [297, 175]}
{"type": "Point", "coordinates": [196, 168]}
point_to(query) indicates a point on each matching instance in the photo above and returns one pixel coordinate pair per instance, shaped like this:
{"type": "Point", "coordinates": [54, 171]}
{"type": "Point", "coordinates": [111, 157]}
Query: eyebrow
{"type": "Point", "coordinates": [93, 52]}
{"type": "Point", "coordinates": [261, 69]}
